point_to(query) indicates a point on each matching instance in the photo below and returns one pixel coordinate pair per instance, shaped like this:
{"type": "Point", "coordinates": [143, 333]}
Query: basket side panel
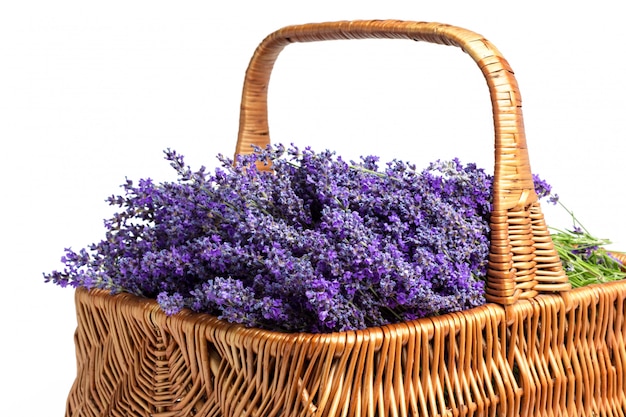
{"type": "Point", "coordinates": [132, 360]}
{"type": "Point", "coordinates": [569, 355]}
{"type": "Point", "coordinates": [449, 365]}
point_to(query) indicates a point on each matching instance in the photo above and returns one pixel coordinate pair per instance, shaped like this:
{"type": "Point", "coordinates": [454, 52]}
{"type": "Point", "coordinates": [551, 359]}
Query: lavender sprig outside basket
{"type": "Point", "coordinates": [315, 244]}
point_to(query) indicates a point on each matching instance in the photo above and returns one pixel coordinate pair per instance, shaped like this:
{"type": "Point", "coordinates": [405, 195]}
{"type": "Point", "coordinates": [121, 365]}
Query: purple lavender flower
{"type": "Point", "coordinates": [544, 190]}
{"type": "Point", "coordinates": [171, 304]}
{"type": "Point", "coordinates": [317, 244]}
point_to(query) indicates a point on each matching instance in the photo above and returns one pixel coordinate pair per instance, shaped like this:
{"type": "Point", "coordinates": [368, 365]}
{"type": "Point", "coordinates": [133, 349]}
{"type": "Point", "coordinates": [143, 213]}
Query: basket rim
{"type": "Point", "coordinates": [144, 305]}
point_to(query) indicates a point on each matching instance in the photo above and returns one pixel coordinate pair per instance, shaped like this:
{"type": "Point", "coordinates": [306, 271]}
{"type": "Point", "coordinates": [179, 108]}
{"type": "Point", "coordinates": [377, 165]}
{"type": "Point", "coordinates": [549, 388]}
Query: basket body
{"type": "Point", "coordinates": [536, 358]}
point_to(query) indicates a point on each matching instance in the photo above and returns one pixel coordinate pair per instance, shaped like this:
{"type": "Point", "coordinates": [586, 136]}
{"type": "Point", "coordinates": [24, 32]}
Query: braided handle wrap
{"type": "Point", "coordinates": [522, 260]}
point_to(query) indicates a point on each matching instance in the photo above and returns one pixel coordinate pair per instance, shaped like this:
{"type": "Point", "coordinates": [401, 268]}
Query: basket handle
{"type": "Point", "coordinates": [522, 260]}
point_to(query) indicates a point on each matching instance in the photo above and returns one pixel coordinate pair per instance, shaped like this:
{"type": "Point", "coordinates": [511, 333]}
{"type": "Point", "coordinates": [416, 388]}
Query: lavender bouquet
{"type": "Point", "coordinates": [314, 244]}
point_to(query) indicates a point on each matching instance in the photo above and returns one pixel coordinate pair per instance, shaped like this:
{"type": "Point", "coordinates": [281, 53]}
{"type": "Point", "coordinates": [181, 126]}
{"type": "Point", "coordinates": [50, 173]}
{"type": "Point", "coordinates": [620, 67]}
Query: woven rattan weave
{"type": "Point", "coordinates": [538, 348]}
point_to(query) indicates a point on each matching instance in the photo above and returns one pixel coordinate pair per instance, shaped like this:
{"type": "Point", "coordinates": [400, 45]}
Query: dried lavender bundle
{"type": "Point", "coordinates": [314, 244]}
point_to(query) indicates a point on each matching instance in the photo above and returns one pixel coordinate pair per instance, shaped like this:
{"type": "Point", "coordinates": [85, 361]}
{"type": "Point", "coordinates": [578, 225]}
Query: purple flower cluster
{"type": "Point", "coordinates": [313, 244]}
{"type": "Point", "coordinates": [544, 190]}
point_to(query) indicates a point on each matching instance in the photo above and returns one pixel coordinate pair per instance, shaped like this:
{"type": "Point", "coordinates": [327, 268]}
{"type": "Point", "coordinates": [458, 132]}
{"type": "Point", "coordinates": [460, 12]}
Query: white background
{"type": "Point", "coordinates": [92, 92]}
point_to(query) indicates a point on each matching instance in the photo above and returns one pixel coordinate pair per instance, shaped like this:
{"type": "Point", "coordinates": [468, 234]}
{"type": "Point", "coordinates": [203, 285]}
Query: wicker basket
{"type": "Point", "coordinates": [537, 348]}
